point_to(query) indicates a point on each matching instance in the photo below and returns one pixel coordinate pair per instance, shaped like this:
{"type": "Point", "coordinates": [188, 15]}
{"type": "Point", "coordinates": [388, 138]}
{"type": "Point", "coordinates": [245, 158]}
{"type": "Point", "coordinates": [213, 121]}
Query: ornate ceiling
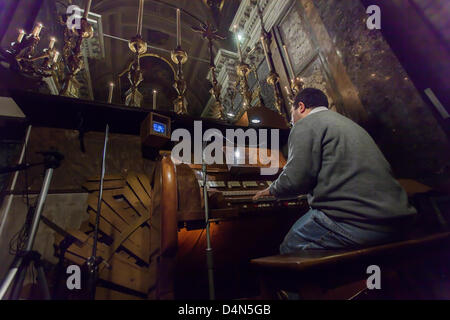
{"type": "Point", "coordinates": [159, 30]}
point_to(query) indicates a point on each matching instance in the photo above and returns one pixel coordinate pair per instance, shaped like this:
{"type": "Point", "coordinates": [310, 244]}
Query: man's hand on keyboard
{"type": "Point", "coordinates": [261, 194]}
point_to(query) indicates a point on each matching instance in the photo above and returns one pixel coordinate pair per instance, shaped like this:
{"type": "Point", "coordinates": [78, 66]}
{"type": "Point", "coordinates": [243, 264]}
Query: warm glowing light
{"type": "Point", "coordinates": [55, 58]}
{"type": "Point", "coordinates": [52, 43]}
{"type": "Point", "coordinates": [287, 89]}
{"type": "Point", "coordinates": [110, 92]}
{"type": "Point", "coordinates": [155, 93]}
{"type": "Point", "coordinates": [21, 35]}
{"type": "Point", "coordinates": [37, 30]}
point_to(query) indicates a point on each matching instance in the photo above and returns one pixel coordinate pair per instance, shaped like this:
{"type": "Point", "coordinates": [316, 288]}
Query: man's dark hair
{"type": "Point", "coordinates": [311, 98]}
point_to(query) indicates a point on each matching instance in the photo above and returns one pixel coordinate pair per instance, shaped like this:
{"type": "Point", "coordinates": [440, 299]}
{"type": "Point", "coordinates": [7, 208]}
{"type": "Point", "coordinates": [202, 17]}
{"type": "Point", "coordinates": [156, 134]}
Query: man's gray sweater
{"type": "Point", "coordinates": [339, 166]}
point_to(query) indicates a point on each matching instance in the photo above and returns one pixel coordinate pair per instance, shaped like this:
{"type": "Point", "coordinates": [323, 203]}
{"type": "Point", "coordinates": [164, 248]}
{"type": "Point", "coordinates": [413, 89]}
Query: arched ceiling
{"type": "Point", "coordinates": [159, 30]}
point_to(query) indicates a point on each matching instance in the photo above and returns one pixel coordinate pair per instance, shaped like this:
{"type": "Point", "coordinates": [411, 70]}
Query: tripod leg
{"type": "Point", "coordinates": [9, 279]}
{"type": "Point", "coordinates": [20, 278]}
{"type": "Point", "coordinates": [42, 280]}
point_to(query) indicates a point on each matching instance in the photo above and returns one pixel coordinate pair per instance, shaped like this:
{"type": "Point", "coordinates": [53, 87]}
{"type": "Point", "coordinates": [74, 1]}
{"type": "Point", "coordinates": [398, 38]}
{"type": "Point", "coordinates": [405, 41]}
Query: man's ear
{"type": "Point", "coordinates": [301, 107]}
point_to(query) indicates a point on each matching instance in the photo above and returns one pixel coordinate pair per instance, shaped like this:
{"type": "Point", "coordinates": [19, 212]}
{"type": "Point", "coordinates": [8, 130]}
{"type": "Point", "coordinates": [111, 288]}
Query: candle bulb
{"type": "Point", "coordinates": [178, 28]}
{"type": "Point", "coordinates": [20, 36]}
{"type": "Point", "coordinates": [154, 99]}
{"type": "Point", "coordinates": [55, 57]}
{"type": "Point", "coordinates": [140, 17]}
{"type": "Point", "coordinates": [51, 45]}
{"type": "Point", "coordinates": [289, 62]}
{"type": "Point", "coordinates": [287, 90]}
{"type": "Point", "coordinates": [87, 8]}
{"type": "Point", "coordinates": [37, 30]}
{"type": "Point", "coordinates": [266, 53]}
{"type": "Point", "coordinates": [239, 49]}
{"type": "Point", "coordinates": [111, 90]}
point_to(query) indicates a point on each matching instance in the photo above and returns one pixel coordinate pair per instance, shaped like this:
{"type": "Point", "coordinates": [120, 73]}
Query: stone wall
{"type": "Point", "coordinates": [357, 67]}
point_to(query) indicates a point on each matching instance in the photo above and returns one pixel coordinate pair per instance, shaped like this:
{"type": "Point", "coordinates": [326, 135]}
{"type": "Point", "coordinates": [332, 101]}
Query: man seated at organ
{"type": "Point", "coordinates": [354, 199]}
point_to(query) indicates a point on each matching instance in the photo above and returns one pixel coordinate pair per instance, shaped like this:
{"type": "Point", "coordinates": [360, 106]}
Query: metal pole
{"type": "Point", "coordinates": [7, 204]}
{"type": "Point", "coordinates": [92, 261]}
{"type": "Point", "coordinates": [100, 194]}
{"type": "Point", "coordinates": [9, 278]}
{"type": "Point", "coordinates": [39, 207]}
{"type": "Point", "coordinates": [209, 253]}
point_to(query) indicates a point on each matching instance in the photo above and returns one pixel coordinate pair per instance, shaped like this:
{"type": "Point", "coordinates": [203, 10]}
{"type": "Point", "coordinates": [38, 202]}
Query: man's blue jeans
{"type": "Point", "coordinates": [315, 230]}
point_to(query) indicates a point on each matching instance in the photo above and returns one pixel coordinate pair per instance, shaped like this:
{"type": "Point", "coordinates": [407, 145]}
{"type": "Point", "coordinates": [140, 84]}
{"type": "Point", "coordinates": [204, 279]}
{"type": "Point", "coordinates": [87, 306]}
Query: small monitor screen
{"type": "Point", "coordinates": [159, 127]}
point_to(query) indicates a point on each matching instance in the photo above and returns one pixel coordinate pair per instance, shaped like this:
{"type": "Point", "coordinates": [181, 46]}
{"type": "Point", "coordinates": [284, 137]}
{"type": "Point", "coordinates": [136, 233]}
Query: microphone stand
{"type": "Point", "coordinates": [16, 275]}
{"type": "Point", "coordinates": [94, 261]}
{"type": "Point", "coordinates": [6, 205]}
{"type": "Point", "coordinates": [209, 253]}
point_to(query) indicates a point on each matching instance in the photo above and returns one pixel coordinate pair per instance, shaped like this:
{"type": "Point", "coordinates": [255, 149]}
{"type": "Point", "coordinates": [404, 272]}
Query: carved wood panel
{"type": "Point", "coordinates": [307, 61]}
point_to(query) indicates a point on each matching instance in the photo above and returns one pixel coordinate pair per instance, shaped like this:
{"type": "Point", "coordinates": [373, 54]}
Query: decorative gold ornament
{"type": "Point", "coordinates": [23, 54]}
{"type": "Point", "coordinates": [138, 45]}
{"type": "Point", "coordinates": [73, 58]}
{"type": "Point", "coordinates": [133, 97]}
{"type": "Point", "coordinates": [297, 85]}
{"type": "Point", "coordinates": [180, 57]}
{"type": "Point", "coordinates": [273, 79]}
{"type": "Point", "coordinates": [243, 71]}
{"type": "Point", "coordinates": [86, 31]}
{"type": "Point", "coordinates": [209, 33]}
{"type": "Point", "coordinates": [214, 4]}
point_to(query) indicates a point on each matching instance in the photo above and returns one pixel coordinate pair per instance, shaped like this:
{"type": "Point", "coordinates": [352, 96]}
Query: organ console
{"type": "Point", "coordinates": [241, 228]}
{"type": "Point", "coordinates": [230, 193]}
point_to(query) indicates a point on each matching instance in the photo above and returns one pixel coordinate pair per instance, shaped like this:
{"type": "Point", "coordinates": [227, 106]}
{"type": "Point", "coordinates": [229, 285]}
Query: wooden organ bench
{"type": "Point", "coordinates": [327, 274]}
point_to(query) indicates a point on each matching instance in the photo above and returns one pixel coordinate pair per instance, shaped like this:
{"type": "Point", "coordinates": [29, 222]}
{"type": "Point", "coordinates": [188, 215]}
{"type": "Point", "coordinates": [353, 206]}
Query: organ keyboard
{"type": "Point", "coordinates": [230, 193]}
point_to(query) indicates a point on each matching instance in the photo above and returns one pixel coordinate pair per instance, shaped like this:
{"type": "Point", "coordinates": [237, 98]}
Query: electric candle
{"type": "Point", "coordinates": [52, 43]}
{"type": "Point", "coordinates": [287, 90]}
{"type": "Point", "coordinates": [37, 30]}
{"type": "Point", "coordinates": [266, 53]}
{"type": "Point", "coordinates": [110, 94]}
{"type": "Point", "coordinates": [239, 49]}
{"type": "Point", "coordinates": [289, 63]}
{"type": "Point", "coordinates": [55, 57]}
{"type": "Point", "coordinates": [140, 17]}
{"type": "Point", "coordinates": [238, 40]}
{"type": "Point", "coordinates": [21, 35]}
{"type": "Point", "coordinates": [178, 28]}
{"type": "Point", "coordinates": [154, 99]}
